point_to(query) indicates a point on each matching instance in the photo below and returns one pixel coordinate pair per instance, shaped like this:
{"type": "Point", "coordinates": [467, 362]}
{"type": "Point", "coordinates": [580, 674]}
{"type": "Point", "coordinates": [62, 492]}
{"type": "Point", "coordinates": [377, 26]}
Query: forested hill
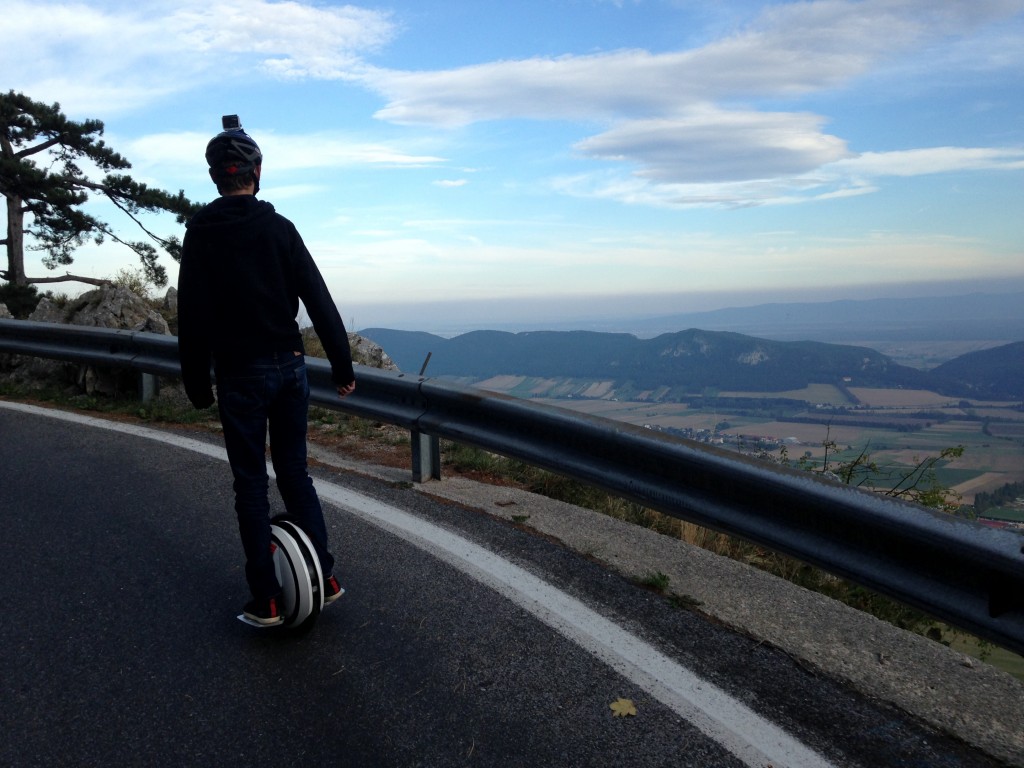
{"type": "Point", "coordinates": [987, 373]}
{"type": "Point", "coordinates": [693, 360]}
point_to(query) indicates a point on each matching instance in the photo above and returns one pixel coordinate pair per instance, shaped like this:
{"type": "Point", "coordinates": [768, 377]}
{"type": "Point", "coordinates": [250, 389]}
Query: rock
{"type": "Point", "coordinates": [369, 353]}
{"type": "Point", "coordinates": [364, 351]}
{"type": "Point", "coordinates": [47, 311]}
{"type": "Point", "coordinates": [36, 372]}
{"type": "Point", "coordinates": [111, 306]}
{"type": "Point", "coordinates": [5, 313]}
{"type": "Point", "coordinates": [171, 301]}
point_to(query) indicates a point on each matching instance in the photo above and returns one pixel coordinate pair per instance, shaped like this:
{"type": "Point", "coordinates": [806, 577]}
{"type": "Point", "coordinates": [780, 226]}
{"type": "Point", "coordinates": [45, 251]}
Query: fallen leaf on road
{"type": "Point", "coordinates": [622, 708]}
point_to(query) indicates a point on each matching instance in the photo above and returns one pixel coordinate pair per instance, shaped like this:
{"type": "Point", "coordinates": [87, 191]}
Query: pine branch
{"type": "Point", "coordinates": [38, 147]}
{"type": "Point", "coordinates": [67, 278]}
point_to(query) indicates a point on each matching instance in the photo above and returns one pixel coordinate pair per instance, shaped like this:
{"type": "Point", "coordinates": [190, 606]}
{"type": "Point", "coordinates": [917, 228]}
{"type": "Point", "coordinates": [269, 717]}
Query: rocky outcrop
{"type": "Point", "coordinates": [369, 353]}
{"type": "Point", "coordinates": [111, 306]}
{"type": "Point", "coordinates": [364, 351]}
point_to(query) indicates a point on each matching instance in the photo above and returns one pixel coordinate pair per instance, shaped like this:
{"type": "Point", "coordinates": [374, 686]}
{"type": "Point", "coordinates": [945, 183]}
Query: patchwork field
{"type": "Point", "coordinates": [901, 398]}
{"type": "Point", "coordinates": [992, 433]}
{"type": "Point", "coordinates": [815, 394]}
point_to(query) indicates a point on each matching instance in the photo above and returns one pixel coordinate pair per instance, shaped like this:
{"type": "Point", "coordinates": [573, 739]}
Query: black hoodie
{"type": "Point", "coordinates": [244, 268]}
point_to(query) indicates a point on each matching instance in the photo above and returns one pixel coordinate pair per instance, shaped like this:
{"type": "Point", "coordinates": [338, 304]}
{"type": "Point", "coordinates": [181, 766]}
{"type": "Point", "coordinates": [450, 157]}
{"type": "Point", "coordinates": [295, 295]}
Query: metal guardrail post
{"type": "Point", "coordinates": [386, 396]}
{"type": "Point", "coordinates": [426, 456]}
{"type": "Point", "coordinates": [148, 387]}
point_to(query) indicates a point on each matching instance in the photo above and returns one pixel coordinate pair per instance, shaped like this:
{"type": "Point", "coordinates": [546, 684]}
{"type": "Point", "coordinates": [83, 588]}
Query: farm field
{"type": "Point", "coordinates": [815, 394]}
{"type": "Point", "coordinates": [676, 415]}
{"type": "Point", "coordinates": [901, 398]}
{"type": "Point", "coordinates": [989, 460]}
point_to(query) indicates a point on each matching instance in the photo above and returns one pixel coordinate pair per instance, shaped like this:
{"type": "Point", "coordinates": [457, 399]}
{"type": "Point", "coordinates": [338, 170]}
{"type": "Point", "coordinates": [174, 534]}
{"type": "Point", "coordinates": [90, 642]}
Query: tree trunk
{"type": "Point", "coordinates": [15, 242]}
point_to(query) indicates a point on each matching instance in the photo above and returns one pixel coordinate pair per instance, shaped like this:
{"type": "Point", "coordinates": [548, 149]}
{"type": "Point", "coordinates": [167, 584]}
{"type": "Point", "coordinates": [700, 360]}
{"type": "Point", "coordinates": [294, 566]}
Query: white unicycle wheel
{"type": "Point", "coordinates": [298, 573]}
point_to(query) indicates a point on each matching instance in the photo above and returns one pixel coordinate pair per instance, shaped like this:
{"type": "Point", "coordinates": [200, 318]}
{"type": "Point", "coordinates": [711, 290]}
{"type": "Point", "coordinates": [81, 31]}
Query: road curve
{"type": "Point", "coordinates": [461, 640]}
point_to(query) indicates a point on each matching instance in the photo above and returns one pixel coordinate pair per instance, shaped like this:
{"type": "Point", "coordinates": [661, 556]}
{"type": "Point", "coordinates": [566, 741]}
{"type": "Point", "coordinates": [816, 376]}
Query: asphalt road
{"type": "Point", "coordinates": [462, 640]}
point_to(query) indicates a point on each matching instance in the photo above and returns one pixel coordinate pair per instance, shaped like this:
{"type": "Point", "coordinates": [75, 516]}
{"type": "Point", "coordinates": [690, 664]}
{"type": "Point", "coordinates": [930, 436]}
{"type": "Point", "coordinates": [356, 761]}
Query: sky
{"type": "Point", "coordinates": [479, 164]}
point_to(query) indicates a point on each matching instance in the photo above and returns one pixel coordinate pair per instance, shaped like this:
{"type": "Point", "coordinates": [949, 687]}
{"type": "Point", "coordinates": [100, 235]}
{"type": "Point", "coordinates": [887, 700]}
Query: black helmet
{"type": "Point", "coordinates": [232, 152]}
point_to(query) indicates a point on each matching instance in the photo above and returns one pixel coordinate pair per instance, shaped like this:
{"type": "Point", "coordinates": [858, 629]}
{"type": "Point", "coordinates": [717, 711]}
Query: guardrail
{"type": "Point", "coordinates": [967, 574]}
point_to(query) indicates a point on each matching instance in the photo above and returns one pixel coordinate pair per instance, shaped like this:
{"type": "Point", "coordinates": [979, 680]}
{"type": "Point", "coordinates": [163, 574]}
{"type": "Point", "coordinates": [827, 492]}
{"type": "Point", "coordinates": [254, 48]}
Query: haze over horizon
{"type": "Point", "coordinates": [485, 163]}
{"type": "Point", "coordinates": [623, 313]}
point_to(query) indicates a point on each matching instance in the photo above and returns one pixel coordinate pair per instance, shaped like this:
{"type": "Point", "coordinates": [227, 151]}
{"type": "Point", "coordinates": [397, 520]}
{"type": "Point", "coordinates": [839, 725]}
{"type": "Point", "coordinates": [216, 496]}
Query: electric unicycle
{"type": "Point", "coordinates": [298, 572]}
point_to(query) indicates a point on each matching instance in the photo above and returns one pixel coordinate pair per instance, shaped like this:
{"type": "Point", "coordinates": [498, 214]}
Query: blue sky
{"type": "Point", "coordinates": [474, 163]}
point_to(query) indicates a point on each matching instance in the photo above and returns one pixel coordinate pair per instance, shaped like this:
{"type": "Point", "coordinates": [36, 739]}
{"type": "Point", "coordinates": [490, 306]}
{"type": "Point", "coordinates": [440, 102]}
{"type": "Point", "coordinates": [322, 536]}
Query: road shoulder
{"type": "Point", "coordinates": [946, 689]}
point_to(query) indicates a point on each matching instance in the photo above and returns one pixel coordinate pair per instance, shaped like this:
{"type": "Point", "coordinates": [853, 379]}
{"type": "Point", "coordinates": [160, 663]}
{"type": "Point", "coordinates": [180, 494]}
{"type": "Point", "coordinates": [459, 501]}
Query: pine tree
{"type": "Point", "coordinates": [45, 186]}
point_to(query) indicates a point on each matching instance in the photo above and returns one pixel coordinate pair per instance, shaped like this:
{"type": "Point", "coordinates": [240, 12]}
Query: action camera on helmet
{"type": "Point", "coordinates": [233, 152]}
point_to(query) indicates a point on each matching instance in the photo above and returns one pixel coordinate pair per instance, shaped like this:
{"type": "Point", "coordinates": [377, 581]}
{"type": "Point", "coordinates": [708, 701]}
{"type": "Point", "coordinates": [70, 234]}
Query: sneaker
{"type": "Point", "coordinates": [332, 590]}
{"type": "Point", "coordinates": [266, 611]}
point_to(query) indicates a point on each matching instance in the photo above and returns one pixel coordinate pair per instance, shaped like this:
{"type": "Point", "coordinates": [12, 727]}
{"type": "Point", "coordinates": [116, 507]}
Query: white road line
{"type": "Point", "coordinates": [752, 739]}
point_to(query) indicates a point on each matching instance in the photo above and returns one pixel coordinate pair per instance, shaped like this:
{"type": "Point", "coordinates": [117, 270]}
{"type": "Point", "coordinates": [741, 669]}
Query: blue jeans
{"type": "Point", "coordinates": [251, 395]}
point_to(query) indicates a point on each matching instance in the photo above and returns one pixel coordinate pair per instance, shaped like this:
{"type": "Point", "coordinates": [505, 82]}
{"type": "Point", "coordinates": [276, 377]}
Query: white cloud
{"type": "Point", "coordinates": [674, 117]}
{"type": "Point", "coordinates": [850, 176]}
{"type": "Point", "coordinates": [711, 144]}
{"type": "Point", "coordinates": [320, 150]}
{"type": "Point", "coordinates": [283, 152]}
{"type": "Point", "coordinates": [634, 190]}
{"type": "Point", "coordinates": [83, 57]}
{"type": "Point", "coordinates": [847, 177]}
{"type": "Point", "coordinates": [790, 49]}
{"type": "Point", "coordinates": [126, 54]}
{"type": "Point", "coordinates": [297, 40]}
{"type": "Point", "coordinates": [681, 120]}
{"type": "Point", "coordinates": [113, 58]}
{"type": "Point", "coordinates": [451, 183]}
{"type": "Point", "coordinates": [920, 162]}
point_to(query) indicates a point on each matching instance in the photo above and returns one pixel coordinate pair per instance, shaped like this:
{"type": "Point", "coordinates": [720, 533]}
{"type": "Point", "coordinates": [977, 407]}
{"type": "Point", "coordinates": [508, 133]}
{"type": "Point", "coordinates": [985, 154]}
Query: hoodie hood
{"type": "Point", "coordinates": [229, 212]}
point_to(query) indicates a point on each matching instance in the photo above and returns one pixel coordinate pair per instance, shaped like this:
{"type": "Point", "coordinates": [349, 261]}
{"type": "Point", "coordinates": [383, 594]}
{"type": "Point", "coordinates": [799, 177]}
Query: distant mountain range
{"type": "Point", "coordinates": [992, 316]}
{"type": "Point", "coordinates": [693, 360]}
{"type": "Point", "coordinates": [972, 316]}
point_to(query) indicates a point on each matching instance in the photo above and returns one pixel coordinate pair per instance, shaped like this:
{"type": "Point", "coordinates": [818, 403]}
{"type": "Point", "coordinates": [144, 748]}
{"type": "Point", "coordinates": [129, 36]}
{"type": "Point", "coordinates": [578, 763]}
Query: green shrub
{"type": "Point", "coordinates": [21, 300]}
